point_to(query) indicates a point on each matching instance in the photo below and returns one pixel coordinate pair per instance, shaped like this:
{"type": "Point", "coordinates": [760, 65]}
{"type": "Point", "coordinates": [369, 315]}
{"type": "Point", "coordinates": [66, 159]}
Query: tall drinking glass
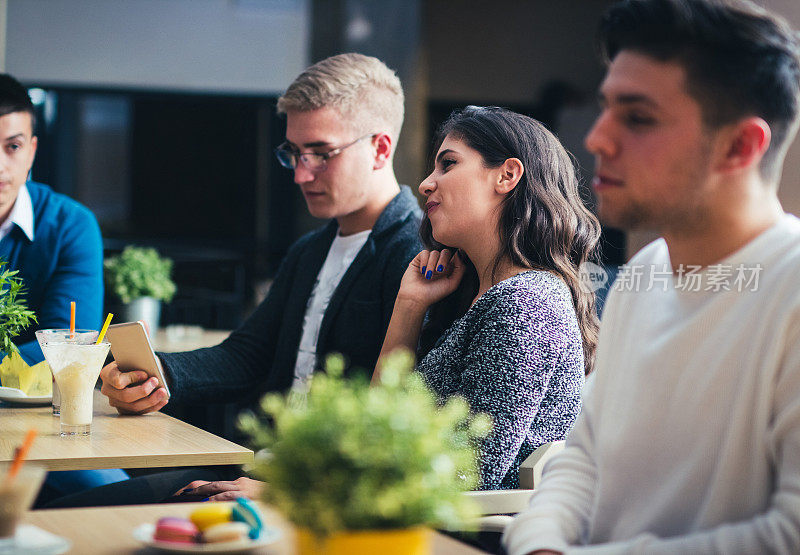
{"type": "Point", "coordinates": [41, 337]}
{"type": "Point", "coordinates": [16, 497]}
{"type": "Point", "coordinates": [76, 361]}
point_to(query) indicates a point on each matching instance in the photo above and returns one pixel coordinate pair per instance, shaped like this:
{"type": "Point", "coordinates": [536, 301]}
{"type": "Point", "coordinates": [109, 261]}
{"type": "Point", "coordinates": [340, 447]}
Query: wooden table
{"type": "Point", "coordinates": [152, 440]}
{"type": "Point", "coordinates": [107, 530]}
{"type": "Point", "coordinates": [172, 341]}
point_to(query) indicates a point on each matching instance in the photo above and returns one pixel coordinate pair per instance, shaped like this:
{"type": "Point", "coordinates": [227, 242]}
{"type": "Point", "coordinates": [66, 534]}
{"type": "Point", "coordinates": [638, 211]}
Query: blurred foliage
{"type": "Point", "coordinates": [139, 272]}
{"type": "Point", "coordinates": [14, 313]}
{"type": "Point", "coordinates": [363, 458]}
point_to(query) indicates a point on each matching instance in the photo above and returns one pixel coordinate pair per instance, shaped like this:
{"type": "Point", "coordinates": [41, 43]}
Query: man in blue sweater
{"type": "Point", "coordinates": [55, 244]}
{"type": "Point", "coordinates": [52, 241]}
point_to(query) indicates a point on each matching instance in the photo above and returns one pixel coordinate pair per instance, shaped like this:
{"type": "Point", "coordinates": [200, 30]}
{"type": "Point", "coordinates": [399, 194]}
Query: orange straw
{"type": "Point", "coordinates": [21, 454]}
{"type": "Point", "coordinates": [72, 319]}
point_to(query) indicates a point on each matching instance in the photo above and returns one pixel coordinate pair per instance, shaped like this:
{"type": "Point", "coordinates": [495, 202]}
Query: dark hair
{"type": "Point", "coordinates": [740, 60]}
{"type": "Point", "coordinates": [14, 98]}
{"type": "Point", "coordinates": [543, 222]}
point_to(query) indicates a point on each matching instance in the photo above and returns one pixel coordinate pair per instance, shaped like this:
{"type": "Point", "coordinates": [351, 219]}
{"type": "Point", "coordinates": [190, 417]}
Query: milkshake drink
{"type": "Point", "coordinates": [76, 363]}
{"type": "Point", "coordinates": [61, 335]}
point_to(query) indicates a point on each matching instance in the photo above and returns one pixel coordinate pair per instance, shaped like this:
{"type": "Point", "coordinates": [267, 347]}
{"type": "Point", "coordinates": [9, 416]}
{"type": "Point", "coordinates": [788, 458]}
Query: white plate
{"type": "Point", "coordinates": [14, 396]}
{"type": "Point", "coordinates": [32, 540]}
{"type": "Point", "coordinates": [144, 534]}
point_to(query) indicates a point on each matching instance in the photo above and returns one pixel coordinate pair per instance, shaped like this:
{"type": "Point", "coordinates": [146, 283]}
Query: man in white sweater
{"type": "Point", "coordinates": [689, 440]}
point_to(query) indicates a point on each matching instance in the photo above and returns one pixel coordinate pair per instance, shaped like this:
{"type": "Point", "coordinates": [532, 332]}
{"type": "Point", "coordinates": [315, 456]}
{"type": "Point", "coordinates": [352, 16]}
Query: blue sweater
{"type": "Point", "coordinates": [63, 263]}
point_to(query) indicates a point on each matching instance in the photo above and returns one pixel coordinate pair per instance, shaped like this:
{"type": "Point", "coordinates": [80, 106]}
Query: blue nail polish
{"type": "Point", "coordinates": [439, 268]}
{"type": "Point", "coordinates": [428, 275]}
{"type": "Point", "coordinates": [206, 499]}
{"type": "Point", "coordinates": [423, 270]}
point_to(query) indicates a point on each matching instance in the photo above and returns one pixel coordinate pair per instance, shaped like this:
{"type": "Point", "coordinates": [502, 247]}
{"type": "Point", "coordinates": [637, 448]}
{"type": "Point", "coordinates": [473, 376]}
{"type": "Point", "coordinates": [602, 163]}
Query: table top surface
{"type": "Point", "coordinates": [108, 530]}
{"type": "Point", "coordinates": [149, 441]}
{"type": "Point", "coordinates": [186, 338]}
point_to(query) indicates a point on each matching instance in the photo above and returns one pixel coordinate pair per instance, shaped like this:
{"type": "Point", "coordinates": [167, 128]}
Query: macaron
{"type": "Point", "coordinates": [246, 511]}
{"type": "Point", "coordinates": [226, 532]}
{"type": "Point", "coordinates": [211, 514]}
{"type": "Point", "coordinates": [176, 530]}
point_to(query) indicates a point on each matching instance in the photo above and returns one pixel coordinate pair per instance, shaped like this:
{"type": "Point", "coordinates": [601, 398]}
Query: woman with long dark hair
{"type": "Point", "coordinates": [508, 325]}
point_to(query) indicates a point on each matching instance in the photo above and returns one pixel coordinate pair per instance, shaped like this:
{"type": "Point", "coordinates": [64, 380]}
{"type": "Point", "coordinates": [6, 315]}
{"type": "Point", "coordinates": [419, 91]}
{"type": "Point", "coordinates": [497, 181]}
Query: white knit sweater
{"type": "Point", "coordinates": [689, 441]}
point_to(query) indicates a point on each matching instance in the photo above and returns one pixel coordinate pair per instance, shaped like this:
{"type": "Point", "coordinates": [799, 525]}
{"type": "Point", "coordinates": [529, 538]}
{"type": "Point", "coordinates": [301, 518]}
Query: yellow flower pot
{"type": "Point", "coordinates": [407, 541]}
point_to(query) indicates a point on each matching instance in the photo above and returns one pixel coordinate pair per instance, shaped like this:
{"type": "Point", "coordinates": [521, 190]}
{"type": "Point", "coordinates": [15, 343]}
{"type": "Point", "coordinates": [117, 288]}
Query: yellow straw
{"type": "Point", "coordinates": [105, 328]}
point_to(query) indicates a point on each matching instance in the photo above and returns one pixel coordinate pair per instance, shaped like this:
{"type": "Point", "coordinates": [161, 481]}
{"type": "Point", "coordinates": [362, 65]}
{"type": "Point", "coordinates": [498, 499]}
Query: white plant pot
{"type": "Point", "coordinates": [146, 309]}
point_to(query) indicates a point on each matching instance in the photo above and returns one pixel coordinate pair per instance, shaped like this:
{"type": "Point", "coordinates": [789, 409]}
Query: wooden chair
{"type": "Point", "coordinates": [495, 505]}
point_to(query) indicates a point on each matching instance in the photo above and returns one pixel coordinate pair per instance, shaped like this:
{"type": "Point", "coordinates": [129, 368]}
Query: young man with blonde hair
{"type": "Point", "coordinates": [689, 439]}
{"type": "Point", "coordinates": [361, 89]}
{"type": "Point", "coordinates": [335, 289]}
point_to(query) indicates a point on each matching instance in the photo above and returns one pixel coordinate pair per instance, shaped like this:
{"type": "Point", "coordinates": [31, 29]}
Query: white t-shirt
{"type": "Point", "coordinates": [341, 254]}
{"type": "Point", "coordinates": [689, 441]}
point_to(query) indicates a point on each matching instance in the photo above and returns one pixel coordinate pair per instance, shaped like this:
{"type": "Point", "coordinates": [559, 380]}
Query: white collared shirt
{"type": "Point", "coordinates": [21, 215]}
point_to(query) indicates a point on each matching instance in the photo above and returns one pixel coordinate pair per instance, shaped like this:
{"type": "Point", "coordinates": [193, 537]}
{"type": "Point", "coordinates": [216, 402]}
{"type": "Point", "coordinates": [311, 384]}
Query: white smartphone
{"type": "Point", "coordinates": [131, 349]}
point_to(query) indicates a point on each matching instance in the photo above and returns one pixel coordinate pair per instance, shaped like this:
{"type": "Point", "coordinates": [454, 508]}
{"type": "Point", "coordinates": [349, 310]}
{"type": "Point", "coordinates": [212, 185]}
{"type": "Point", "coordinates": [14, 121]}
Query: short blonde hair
{"type": "Point", "coordinates": [361, 88]}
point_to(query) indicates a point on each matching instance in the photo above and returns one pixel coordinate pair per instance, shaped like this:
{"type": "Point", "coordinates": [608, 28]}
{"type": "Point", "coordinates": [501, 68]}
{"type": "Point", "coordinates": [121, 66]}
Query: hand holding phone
{"type": "Point", "coordinates": [134, 383]}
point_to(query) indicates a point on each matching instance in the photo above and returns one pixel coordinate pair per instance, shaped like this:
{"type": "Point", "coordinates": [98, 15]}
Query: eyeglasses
{"type": "Point", "coordinates": [289, 156]}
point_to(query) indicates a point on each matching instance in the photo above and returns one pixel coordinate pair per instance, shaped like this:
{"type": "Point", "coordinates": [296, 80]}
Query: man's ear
{"type": "Point", "coordinates": [382, 143]}
{"type": "Point", "coordinates": [745, 145]}
{"type": "Point", "coordinates": [34, 144]}
{"type": "Point", "coordinates": [510, 172]}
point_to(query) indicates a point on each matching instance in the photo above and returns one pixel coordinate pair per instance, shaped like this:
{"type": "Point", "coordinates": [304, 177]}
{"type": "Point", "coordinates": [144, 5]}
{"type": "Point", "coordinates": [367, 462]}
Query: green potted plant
{"type": "Point", "coordinates": [14, 317]}
{"type": "Point", "coordinates": [140, 279]}
{"type": "Point", "coordinates": [363, 469]}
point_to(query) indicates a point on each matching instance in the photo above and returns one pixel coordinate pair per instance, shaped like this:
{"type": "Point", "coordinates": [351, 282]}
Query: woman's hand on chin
{"type": "Point", "coordinates": [430, 277]}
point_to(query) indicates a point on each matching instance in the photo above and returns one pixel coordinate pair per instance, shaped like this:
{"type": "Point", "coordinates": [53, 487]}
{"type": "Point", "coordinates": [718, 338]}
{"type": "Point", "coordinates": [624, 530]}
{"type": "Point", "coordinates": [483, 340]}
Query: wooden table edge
{"type": "Point", "coordinates": [148, 461]}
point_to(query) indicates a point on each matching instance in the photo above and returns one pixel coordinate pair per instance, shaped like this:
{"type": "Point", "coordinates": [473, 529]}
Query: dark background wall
{"type": "Point", "coordinates": [160, 115]}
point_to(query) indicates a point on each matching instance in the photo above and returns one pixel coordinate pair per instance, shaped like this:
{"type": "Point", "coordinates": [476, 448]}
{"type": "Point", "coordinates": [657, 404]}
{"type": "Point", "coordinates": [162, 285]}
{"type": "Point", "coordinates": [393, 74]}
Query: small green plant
{"type": "Point", "coordinates": [139, 272]}
{"type": "Point", "coordinates": [14, 313]}
{"type": "Point", "coordinates": [364, 458]}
